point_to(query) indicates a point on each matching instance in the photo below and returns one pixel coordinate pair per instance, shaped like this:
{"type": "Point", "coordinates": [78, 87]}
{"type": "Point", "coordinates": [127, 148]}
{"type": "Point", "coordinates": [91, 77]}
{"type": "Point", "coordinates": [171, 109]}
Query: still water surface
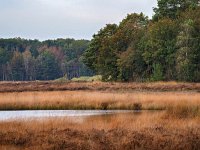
{"type": "Point", "coordinates": [40, 114]}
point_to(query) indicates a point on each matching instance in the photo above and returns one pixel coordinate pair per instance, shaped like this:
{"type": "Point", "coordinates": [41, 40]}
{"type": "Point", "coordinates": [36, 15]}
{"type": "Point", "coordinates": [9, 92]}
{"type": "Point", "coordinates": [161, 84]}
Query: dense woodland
{"type": "Point", "coordinates": [167, 47]}
{"type": "Point", "coordinates": [27, 60]}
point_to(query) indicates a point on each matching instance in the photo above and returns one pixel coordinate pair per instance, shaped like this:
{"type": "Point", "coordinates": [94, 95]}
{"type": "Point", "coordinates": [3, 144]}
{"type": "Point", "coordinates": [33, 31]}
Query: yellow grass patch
{"type": "Point", "coordinates": [99, 100]}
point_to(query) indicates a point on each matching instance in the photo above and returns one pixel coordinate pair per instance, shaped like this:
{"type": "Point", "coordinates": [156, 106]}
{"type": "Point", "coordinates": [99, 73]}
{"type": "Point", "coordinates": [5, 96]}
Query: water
{"type": "Point", "coordinates": [37, 114]}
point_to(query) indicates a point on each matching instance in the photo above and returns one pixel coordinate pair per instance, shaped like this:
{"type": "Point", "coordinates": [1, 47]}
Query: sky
{"type": "Point", "coordinates": [51, 19]}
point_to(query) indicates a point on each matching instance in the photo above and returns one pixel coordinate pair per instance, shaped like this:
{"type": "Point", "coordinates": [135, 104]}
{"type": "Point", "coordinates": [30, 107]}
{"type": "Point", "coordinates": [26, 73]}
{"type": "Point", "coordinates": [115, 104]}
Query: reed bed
{"type": "Point", "coordinates": [176, 104]}
{"type": "Point", "coordinates": [142, 131]}
{"type": "Point", "coordinates": [82, 100]}
{"type": "Point", "coordinates": [176, 126]}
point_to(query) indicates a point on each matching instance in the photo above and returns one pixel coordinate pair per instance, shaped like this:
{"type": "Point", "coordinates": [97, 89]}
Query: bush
{"type": "Point", "coordinates": [157, 73]}
{"type": "Point", "coordinates": [137, 106]}
{"type": "Point", "coordinates": [87, 79]}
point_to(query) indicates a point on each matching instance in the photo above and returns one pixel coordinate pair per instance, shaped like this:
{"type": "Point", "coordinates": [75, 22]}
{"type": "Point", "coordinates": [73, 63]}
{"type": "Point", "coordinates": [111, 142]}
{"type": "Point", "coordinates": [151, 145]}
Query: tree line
{"type": "Point", "coordinates": [166, 47]}
{"type": "Point", "coordinates": [28, 60]}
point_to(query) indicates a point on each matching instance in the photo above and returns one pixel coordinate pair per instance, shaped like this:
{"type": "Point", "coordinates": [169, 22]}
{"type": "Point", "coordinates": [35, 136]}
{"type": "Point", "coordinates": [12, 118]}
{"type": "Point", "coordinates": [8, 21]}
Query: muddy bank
{"type": "Point", "coordinates": [92, 86]}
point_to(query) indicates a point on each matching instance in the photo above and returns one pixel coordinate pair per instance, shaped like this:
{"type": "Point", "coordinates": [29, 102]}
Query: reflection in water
{"type": "Point", "coordinates": [113, 120]}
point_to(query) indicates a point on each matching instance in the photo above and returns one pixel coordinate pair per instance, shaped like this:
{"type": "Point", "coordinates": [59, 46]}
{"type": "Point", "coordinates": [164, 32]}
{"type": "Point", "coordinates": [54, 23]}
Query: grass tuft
{"type": "Point", "coordinates": [183, 111]}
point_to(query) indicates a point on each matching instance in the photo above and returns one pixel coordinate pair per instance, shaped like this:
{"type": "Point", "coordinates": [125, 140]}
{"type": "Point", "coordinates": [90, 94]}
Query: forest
{"type": "Point", "coordinates": [166, 47]}
{"type": "Point", "coordinates": [28, 60]}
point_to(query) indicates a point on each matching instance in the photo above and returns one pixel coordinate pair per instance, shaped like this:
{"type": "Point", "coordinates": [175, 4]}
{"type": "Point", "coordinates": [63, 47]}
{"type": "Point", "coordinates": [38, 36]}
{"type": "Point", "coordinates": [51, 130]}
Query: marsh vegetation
{"type": "Point", "coordinates": [168, 117]}
{"type": "Point", "coordinates": [125, 131]}
{"type": "Point", "coordinates": [98, 100]}
{"type": "Point", "coordinates": [176, 113]}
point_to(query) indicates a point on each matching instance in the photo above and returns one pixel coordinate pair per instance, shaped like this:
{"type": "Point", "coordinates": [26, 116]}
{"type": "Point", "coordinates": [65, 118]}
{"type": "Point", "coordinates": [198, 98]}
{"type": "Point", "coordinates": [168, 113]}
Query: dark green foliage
{"type": "Point", "coordinates": [160, 47]}
{"type": "Point", "coordinates": [29, 60]}
{"type": "Point", "coordinates": [17, 67]}
{"type": "Point", "coordinates": [4, 56]}
{"type": "Point", "coordinates": [164, 48]}
{"type": "Point", "coordinates": [157, 73]}
{"type": "Point", "coordinates": [75, 48]}
{"type": "Point", "coordinates": [188, 43]}
{"type": "Point", "coordinates": [4, 59]}
{"type": "Point", "coordinates": [101, 56]}
{"type": "Point", "coordinates": [111, 51]}
{"type": "Point", "coordinates": [130, 63]}
{"type": "Point", "coordinates": [47, 67]}
{"type": "Point", "coordinates": [173, 8]}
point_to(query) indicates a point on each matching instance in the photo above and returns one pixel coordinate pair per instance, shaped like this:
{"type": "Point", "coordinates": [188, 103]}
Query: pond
{"type": "Point", "coordinates": [40, 114]}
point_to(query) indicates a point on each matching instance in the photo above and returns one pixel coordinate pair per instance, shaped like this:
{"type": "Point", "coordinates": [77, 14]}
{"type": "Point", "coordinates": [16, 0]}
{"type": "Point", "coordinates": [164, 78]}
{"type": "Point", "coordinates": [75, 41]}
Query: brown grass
{"type": "Point", "coordinates": [96, 86]}
{"type": "Point", "coordinates": [178, 127]}
{"type": "Point", "coordinates": [129, 132]}
{"type": "Point", "coordinates": [98, 100]}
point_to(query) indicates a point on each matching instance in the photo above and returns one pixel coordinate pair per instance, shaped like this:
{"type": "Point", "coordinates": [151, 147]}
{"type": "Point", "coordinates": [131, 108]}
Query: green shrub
{"type": "Point", "coordinates": [88, 79]}
{"type": "Point", "coordinates": [157, 73]}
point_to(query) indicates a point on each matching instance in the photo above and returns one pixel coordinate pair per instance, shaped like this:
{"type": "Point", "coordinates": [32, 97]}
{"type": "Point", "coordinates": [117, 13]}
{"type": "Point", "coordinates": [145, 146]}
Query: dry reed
{"type": "Point", "coordinates": [99, 100]}
{"type": "Point", "coordinates": [175, 128]}
{"type": "Point", "coordinates": [96, 86]}
{"type": "Point", "coordinates": [142, 131]}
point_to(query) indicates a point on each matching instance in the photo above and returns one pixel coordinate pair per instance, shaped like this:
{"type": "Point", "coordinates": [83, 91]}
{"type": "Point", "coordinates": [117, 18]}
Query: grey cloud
{"type": "Point", "coordinates": [44, 19]}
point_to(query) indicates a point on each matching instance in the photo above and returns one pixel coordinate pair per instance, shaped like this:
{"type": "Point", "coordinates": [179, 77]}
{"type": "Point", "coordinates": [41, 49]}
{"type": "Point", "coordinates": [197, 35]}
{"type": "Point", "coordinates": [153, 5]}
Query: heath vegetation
{"type": "Point", "coordinates": [125, 131]}
{"type": "Point", "coordinates": [184, 104]}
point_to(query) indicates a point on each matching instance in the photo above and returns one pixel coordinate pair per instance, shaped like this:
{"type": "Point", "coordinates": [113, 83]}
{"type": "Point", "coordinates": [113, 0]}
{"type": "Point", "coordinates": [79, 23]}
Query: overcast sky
{"type": "Point", "coordinates": [51, 19]}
